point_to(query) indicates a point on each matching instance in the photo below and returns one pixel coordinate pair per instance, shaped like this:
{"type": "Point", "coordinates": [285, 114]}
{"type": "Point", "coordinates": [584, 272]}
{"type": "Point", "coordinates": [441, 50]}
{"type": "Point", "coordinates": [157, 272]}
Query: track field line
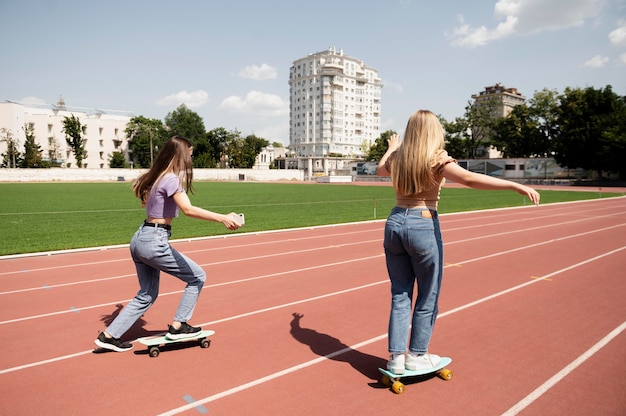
{"type": "Point", "coordinates": [367, 342]}
{"type": "Point", "coordinates": [500, 253]}
{"type": "Point", "coordinates": [377, 230]}
{"type": "Point", "coordinates": [216, 263]}
{"type": "Point", "coordinates": [249, 279]}
{"type": "Point", "coordinates": [371, 340]}
{"type": "Point", "coordinates": [127, 257]}
{"type": "Point", "coordinates": [539, 391]}
{"type": "Point", "coordinates": [48, 287]}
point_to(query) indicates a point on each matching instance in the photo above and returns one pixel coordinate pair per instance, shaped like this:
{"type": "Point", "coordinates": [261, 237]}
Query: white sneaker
{"type": "Point", "coordinates": [396, 363]}
{"type": "Point", "coordinates": [421, 362]}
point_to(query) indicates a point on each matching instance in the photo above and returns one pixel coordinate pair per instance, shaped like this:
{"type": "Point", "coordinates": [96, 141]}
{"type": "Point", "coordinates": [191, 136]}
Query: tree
{"type": "Point", "coordinates": [242, 153]}
{"type": "Point", "coordinates": [117, 160]}
{"type": "Point", "coordinates": [457, 137]}
{"type": "Point", "coordinates": [544, 109]}
{"type": "Point", "coordinates": [517, 134]}
{"type": "Point", "coordinates": [12, 158]}
{"type": "Point", "coordinates": [252, 146]}
{"type": "Point", "coordinates": [480, 119]}
{"type": "Point", "coordinates": [186, 123]}
{"type": "Point", "coordinates": [32, 150]}
{"type": "Point", "coordinates": [380, 146]}
{"type": "Point", "coordinates": [210, 151]}
{"type": "Point", "coordinates": [145, 138]}
{"type": "Point", "coordinates": [592, 134]}
{"type": "Point", "coordinates": [73, 135]}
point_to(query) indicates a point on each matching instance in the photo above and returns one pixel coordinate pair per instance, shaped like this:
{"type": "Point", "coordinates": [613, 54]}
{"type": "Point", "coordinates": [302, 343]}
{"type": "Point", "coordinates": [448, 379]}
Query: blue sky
{"type": "Point", "coordinates": [229, 60]}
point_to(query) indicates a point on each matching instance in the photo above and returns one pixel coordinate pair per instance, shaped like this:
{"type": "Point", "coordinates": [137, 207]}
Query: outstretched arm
{"type": "Point", "coordinates": [184, 204]}
{"type": "Point", "coordinates": [455, 173]}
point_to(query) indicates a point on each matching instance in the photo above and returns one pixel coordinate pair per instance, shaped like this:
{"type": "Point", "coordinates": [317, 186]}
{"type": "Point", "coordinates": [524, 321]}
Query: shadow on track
{"type": "Point", "coordinates": [332, 348]}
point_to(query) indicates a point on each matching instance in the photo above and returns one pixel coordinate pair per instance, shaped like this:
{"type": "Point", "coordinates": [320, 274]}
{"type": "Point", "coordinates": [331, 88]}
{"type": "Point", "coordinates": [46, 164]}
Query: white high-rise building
{"type": "Point", "coordinates": [334, 106]}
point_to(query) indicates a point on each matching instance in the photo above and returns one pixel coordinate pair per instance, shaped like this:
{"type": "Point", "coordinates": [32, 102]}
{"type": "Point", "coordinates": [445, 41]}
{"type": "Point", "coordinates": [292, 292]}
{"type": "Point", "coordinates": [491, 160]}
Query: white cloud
{"type": "Point", "coordinates": [258, 73]}
{"type": "Point", "coordinates": [622, 58]}
{"type": "Point", "coordinates": [618, 36]}
{"type": "Point", "coordinates": [256, 103]}
{"type": "Point", "coordinates": [525, 17]}
{"type": "Point", "coordinates": [597, 61]}
{"type": "Point", "coordinates": [191, 99]}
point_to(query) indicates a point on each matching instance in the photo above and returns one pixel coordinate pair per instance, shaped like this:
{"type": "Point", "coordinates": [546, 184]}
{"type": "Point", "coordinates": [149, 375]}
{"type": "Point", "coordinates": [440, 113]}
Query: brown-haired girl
{"type": "Point", "coordinates": [163, 192]}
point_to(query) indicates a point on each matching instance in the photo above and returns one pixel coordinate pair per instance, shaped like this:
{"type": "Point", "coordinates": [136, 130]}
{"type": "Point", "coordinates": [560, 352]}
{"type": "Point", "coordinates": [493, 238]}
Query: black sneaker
{"type": "Point", "coordinates": [185, 331]}
{"type": "Point", "coordinates": [113, 344]}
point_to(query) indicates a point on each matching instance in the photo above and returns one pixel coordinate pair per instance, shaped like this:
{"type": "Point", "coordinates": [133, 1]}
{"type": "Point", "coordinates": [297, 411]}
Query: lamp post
{"type": "Point", "coordinates": [150, 134]}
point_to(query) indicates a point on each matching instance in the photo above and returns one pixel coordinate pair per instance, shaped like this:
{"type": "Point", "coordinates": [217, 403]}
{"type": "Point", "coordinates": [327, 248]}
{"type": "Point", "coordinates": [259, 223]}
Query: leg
{"type": "Point", "coordinates": [148, 292]}
{"type": "Point", "coordinates": [185, 269]}
{"type": "Point", "coordinates": [402, 279]}
{"type": "Point", "coordinates": [189, 272]}
{"type": "Point", "coordinates": [429, 270]}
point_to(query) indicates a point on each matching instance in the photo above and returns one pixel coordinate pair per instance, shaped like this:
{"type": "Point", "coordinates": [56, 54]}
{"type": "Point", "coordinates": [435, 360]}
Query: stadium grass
{"type": "Point", "coordinates": [42, 217]}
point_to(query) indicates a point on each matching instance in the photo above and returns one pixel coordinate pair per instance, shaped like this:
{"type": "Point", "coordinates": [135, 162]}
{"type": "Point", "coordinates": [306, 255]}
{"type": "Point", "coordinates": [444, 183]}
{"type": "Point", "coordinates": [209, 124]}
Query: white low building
{"type": "Point", "coordinates": [103, 131]}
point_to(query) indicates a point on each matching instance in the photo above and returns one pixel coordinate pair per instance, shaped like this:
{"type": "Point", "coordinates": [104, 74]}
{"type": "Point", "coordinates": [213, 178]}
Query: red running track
{"type": "Point", "coordinates": [532, 313]}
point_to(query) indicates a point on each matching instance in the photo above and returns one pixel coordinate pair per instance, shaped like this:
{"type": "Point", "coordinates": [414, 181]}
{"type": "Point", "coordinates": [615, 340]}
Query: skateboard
{"type": "Point", "coordinates": [392, 380]}
{"type": "Point", "coordinates": [153, 343]}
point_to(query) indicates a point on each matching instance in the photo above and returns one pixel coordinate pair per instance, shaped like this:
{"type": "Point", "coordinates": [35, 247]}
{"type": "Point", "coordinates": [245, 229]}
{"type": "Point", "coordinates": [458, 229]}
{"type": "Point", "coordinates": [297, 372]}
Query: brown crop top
{"type": "Point", "coordinates": [429, 198]}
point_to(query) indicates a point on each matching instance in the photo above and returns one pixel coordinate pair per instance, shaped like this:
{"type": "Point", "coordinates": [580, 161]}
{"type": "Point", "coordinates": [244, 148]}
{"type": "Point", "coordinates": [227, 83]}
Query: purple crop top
{"type": "Point", "coordinates": [160, 203]}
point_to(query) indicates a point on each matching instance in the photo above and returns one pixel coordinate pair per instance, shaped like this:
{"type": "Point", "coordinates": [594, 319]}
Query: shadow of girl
{"type": "Point", "coordinates": [330, 347]}
{"type": "Point", "coordinates": [136, 331]}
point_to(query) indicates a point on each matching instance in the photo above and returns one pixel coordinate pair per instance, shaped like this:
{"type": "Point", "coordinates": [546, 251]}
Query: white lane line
{"type": "Point", "coordinates": [270, 377]}
{"type": "Point", "coordinates": [526, 401]}
{"type": "Point", "coordinates": [304, 365]}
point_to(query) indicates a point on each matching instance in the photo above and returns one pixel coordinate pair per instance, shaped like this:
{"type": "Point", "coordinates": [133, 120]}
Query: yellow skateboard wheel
{"type": "Point", "coordinates": [397, 387]}
{"type": "Point", "coordinates": [445, 374]}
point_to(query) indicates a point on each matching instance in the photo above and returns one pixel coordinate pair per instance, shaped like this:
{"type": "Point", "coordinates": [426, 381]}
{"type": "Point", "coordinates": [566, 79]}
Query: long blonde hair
{"type": "Point", "coordinates": [411, 171]}
{"type": "Point", "coordinates": [174, 158]}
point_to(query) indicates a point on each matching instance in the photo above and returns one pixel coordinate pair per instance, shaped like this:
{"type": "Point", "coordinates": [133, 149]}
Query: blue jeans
{"type": "Point", "coordinates": [414, 251]}
{"type": "Point", "coordinates": [152, 253]}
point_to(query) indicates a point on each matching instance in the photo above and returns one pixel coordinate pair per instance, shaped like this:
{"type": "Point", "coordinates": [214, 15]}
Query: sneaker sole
{"type": "Point", "coordinates": [111, 347]}
{"type": "Point", "coordinates": [419, 367]}
{"type": "Point", "coordinates": [398, 371]}
{"type": "Point", "coordinates": [175, 337]}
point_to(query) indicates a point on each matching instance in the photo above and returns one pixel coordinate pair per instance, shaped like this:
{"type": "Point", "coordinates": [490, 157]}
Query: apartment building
{"type": "Point", "coordinates": [334, 106]}
{"type": "Point", "coordinates": [499, 101]}
{"type": "Point", "coordinates": [102, 130]}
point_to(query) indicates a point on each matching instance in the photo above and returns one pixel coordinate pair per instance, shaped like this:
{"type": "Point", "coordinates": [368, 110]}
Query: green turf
{"type": "Point", "coordinates": [36, 217]}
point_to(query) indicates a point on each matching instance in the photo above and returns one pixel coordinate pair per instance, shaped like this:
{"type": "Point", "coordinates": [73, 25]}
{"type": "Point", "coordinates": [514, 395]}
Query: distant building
{"type": "Point", "coordinates": [268, 155]}
{"type": "Point", "coordinates": [103, 131]}
{"type": "Point", "coordinates": [334, 108]}
{"type": "Point", "coordinates": [501, 101]}
{"type": "Point", "coordinates": [501, 98]}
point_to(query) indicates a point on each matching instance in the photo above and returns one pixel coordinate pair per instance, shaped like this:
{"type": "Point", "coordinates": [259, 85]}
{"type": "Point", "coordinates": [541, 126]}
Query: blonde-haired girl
{"type": "Point", "coordinates": [418, 167]}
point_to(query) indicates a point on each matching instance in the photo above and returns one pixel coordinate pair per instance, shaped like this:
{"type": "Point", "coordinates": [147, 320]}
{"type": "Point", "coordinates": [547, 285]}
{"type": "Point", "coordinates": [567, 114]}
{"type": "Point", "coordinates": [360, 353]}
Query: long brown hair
{"type": "Point", "coordinates": [412, 171]}
{"type": "Point", "coordinates": [174, 157]}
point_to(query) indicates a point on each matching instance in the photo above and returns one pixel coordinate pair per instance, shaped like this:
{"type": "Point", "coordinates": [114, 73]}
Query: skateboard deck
{"type": "Point", "coordinates": [154, 342]}
{"type": "Point", "coordinates": [392, 380]}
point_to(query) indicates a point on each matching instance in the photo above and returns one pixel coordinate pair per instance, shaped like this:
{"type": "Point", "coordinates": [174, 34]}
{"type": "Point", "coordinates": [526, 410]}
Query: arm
{"type": "Point", "coordinates": [394, 143]}
{"type": "Point", "coordinates": [455, 173]}
{"type": "Point", "coordinates": [184, 204]}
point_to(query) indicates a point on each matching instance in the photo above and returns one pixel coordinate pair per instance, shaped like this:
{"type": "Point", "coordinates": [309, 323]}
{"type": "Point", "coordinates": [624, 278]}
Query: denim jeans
{"type": "Point", "coordinates": [152, 253]}
{"type": "Point", "coordinates": [414, 252]}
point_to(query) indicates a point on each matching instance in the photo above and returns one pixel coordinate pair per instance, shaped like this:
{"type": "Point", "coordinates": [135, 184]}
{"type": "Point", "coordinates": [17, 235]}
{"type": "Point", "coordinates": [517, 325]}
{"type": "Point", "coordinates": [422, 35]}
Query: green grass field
{"type": "Point", "coordinates": [36, 217]}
